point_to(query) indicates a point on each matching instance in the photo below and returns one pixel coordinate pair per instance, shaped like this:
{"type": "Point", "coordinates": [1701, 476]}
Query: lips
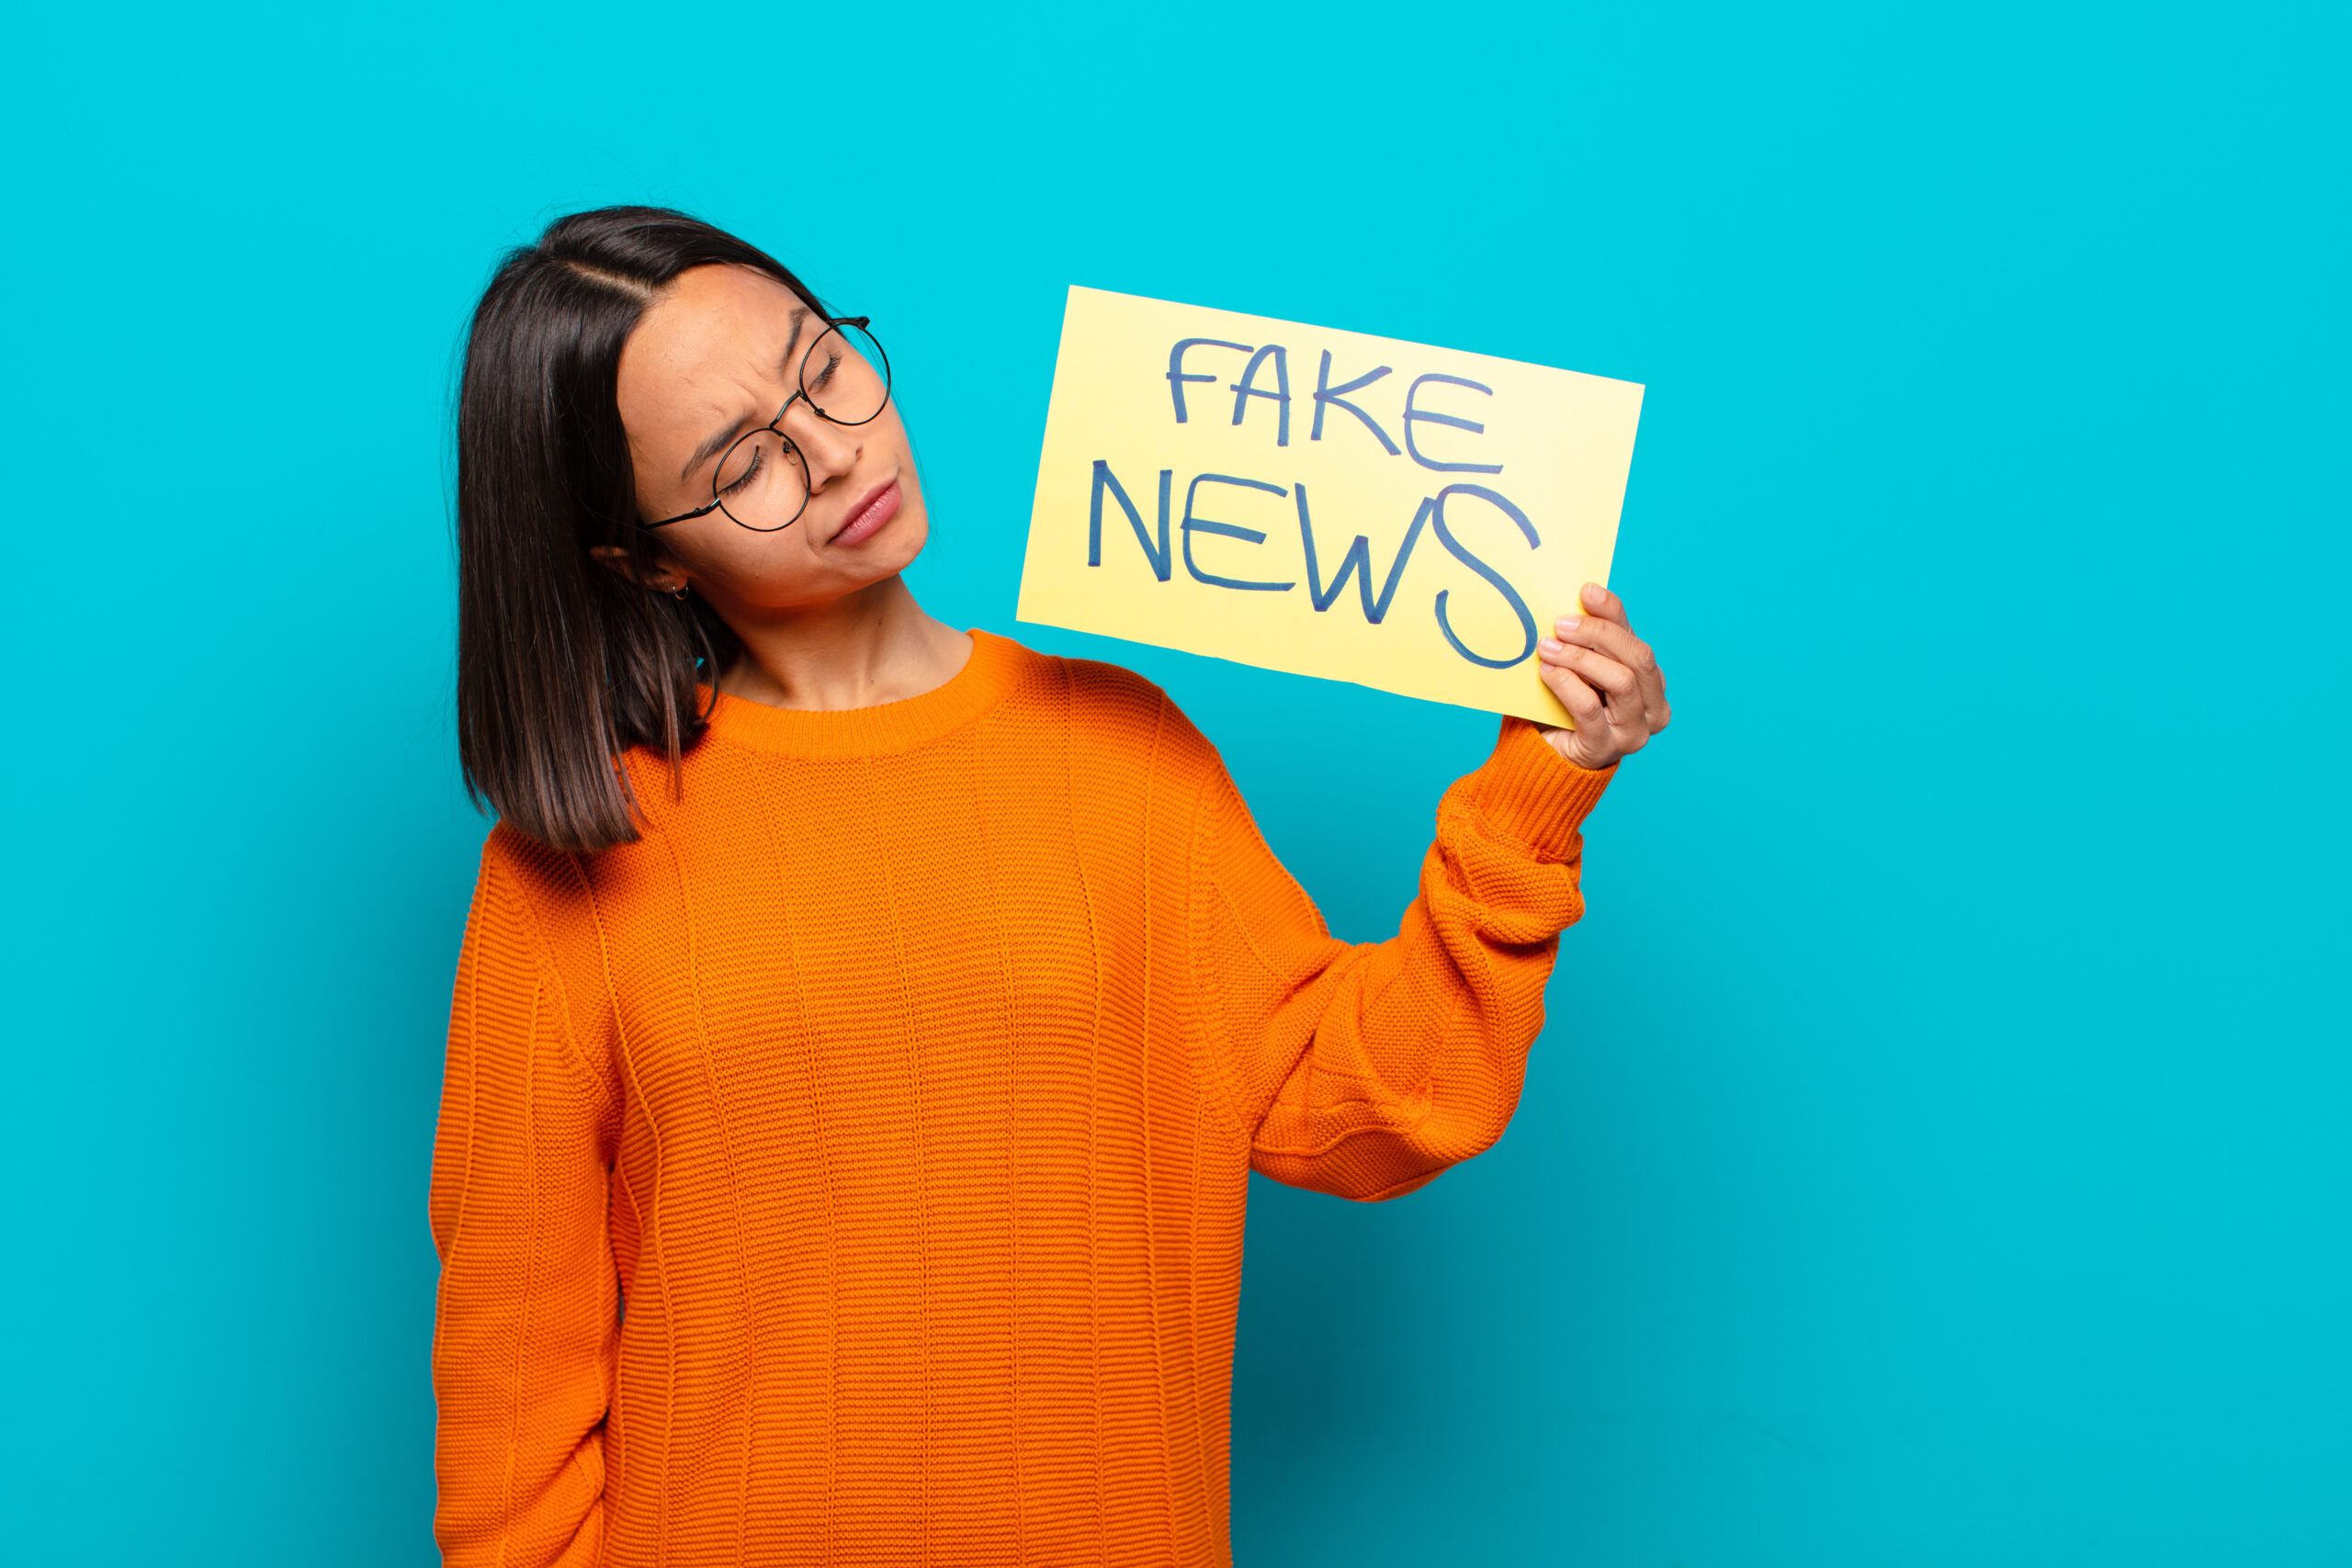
{"type": "Point", "coordinates": [867, 518]}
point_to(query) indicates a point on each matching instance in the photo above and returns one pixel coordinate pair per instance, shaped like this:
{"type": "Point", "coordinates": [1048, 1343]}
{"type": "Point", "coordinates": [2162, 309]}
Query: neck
{"type": "Point", "coordinates": [865, 648]}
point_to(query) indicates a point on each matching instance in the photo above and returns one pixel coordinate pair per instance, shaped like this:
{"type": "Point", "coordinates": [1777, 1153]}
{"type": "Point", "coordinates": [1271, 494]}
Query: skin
{"type": "Point", "coordinates": [1608, 680]}
{"type": "Point", "coordinates": [829, 625]}
{"type": "Point", "coordinates": [824, 625]}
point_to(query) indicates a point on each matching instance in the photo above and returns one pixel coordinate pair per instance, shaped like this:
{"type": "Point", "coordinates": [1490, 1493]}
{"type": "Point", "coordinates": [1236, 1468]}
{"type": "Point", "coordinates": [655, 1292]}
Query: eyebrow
{"type": "Point", "coordinates": [721, 440]}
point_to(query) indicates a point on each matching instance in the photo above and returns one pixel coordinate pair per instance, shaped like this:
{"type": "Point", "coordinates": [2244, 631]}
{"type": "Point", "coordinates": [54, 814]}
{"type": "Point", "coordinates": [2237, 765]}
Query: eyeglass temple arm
{"type": "Point", "coordinates": [683, 516]}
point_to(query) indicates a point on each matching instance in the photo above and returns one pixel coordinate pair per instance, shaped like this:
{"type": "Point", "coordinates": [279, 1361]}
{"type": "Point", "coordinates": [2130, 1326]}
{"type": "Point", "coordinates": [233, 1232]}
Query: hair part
{"type": "Point", "coordinates": [563, 664]}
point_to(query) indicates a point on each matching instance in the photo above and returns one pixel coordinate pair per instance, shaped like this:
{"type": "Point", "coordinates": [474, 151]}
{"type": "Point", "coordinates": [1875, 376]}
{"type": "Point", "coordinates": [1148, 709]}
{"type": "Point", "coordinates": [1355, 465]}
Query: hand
{"type": "Point", "coordinates": [1607, 679]}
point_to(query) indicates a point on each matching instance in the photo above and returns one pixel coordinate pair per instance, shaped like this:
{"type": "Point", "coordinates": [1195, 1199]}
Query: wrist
{"type": "Point", "coordinates": [1531, 794]}
{"type": "Point", "coordinates": [1569, 746]}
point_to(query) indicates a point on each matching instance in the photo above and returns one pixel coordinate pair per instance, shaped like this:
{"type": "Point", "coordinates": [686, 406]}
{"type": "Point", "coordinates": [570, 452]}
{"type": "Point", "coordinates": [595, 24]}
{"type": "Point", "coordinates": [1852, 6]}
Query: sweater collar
{"type": "Point", "coordinates": [985, 679]}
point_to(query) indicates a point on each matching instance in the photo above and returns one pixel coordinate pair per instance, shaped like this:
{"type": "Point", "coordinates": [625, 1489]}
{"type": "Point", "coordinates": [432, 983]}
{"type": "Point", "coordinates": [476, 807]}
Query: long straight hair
{"type": "Point", "coordinates": [562, 663]}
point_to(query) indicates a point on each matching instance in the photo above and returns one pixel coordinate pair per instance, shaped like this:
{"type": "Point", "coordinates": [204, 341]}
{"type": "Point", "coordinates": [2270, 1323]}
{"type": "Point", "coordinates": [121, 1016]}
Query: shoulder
{"type": "Point", "coordinates": [541, 909]}
{"type": "Point", "coordinates": [1117, 715]}
{"type": "Point", "coordinates": [522, 880]}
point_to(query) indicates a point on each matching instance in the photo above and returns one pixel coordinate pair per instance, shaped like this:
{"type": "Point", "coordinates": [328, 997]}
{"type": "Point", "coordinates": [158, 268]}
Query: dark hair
{"type": "Point", "coordinates": [563, 664]}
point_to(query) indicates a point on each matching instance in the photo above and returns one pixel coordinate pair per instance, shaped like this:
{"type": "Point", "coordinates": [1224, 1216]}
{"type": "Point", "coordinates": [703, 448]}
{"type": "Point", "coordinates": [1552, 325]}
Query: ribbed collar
{"type": "Point", "coordinates": [985, 679]}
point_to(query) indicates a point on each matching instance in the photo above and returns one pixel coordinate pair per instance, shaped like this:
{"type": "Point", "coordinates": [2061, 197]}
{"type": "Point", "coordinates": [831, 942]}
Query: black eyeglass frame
{"type": "Point", "coordinates": [799, 394]}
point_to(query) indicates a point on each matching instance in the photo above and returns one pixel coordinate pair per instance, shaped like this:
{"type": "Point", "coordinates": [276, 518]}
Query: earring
{"type": "Point", "coordinates": [679, 592]}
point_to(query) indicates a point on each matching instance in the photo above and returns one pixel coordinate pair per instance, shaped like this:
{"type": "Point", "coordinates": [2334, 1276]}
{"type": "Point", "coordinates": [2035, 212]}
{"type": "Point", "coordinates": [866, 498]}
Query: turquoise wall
{"type": "Point", "coordinates": [1936, 1154]}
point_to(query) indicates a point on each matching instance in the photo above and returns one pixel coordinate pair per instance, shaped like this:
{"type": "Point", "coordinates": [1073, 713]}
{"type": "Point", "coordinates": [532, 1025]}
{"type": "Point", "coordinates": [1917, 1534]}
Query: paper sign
{"type": "Point", "coordinates": [1322, 502]}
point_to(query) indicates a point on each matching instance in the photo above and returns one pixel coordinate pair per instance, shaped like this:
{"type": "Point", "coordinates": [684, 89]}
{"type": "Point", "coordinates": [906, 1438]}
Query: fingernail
{"type": "Point", "coordinates": [1549, 645]}
{"type": "Point", "coordinates": [1593, 593]}
{"type": "Point", "coordinates": [1567, 624]}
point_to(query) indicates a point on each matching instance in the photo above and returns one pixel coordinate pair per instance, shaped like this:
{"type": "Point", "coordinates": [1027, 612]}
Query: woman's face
{"type": "Point", "coordinates": [717, 356]}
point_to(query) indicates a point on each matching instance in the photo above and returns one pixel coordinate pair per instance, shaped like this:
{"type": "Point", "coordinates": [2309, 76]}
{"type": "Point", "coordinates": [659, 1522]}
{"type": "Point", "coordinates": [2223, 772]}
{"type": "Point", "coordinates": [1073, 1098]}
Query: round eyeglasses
{"type": "Point", "coordinates": [761, 481]}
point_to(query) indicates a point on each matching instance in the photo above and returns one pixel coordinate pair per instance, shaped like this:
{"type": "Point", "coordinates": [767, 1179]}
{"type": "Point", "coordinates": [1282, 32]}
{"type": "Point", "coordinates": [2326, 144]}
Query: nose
{"type": "Point", "coordinates": [830, 450]}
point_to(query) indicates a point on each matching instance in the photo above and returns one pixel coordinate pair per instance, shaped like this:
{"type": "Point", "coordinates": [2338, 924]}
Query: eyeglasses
{"type": "Point", "coordinates": [761, 481]}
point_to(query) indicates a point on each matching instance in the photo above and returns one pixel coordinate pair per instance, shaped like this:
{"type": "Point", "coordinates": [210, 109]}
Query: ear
{"type": "Point", "coordinates": [664, 577]}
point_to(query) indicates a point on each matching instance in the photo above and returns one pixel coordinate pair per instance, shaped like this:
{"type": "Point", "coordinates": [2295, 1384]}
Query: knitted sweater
{"type": "Point", "coordinates": [853, 1170]}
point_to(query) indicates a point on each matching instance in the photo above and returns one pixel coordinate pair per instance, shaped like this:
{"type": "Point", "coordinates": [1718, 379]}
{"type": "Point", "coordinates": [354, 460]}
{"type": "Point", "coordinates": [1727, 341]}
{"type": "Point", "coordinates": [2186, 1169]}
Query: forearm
{"type": "Point", "coordinates": [1371, 1068]}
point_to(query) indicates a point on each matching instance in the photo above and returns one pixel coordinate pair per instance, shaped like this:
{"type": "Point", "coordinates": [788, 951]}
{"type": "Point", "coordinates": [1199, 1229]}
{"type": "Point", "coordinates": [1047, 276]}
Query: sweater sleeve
{"type": "Point", "coordinates": [1365, 1070]}
{"type": "Point", "coordinates": [525, 1331]}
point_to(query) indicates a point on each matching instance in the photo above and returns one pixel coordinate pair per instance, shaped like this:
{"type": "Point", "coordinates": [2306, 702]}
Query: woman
{"type": "Point", "coordinates": [865, 1029]}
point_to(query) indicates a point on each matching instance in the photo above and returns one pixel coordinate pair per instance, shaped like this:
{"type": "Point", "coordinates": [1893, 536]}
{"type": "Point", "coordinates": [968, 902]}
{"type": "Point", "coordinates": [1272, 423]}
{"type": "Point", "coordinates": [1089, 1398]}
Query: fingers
{"type": "Point", "coordinates": [1614, 681]}
{"type": "Point", "coordinates": [1608, 638]}
{"type": "Point", "coordinates": [1606, 676]}
{"type": "Point", "coordinates": [1601, 695]}
{"type": "Point", "coordinates": [1607, 631]}
{"type": "Point", "coordinates": [1602, 603]}
{"type": "Point", "coordinates": [1585, 745]}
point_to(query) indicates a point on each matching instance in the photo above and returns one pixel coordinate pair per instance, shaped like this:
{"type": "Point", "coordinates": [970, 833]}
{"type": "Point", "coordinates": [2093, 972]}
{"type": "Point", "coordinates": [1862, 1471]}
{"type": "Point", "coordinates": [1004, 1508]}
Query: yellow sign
{"type": "Point", "coordinates": [1327, 503]}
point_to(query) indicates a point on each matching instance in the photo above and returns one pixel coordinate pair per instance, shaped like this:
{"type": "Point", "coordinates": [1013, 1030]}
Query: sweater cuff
{"type": "Point", "coordinates": [1532, 796]}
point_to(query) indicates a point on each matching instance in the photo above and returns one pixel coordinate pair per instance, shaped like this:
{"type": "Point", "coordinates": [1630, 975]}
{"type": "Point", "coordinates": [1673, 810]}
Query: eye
{"type": "Point", "coordinates": [832, 363]}
{"type": "Point", "coordinates": [758, 461]}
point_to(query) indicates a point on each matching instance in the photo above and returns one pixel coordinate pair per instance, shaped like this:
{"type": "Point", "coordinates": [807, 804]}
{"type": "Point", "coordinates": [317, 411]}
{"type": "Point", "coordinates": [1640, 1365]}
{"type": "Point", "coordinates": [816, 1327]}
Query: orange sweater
{"type": "Point", "coordinates": [853, 1170]}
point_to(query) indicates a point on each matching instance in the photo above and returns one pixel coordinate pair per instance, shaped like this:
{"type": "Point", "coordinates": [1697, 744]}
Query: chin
{"type": "Point", "coordinates": [903, 537]}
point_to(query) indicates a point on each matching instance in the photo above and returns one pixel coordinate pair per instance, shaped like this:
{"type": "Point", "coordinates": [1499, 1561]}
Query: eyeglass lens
{"type": "Point", "coordinates": [762, 482]}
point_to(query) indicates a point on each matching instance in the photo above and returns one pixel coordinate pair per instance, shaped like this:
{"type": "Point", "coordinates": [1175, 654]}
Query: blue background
{"type": "Point", "coordinates": [1938, 1153]}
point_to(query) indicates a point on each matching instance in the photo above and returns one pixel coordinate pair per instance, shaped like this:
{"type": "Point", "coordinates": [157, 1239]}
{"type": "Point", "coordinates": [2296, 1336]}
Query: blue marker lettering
{"type": "Point", "coordinates": [1326, 393]}
{"type": "Point", "coordinates": [1209, 525]}
{"type": "Point", "coordinates": [1243, 392]}
{"type": "Point", "coordinates": [1518, 605]}
{"type": "Point", "coordinates": [1358, 560]}
{"type": "Point", "coordinates": [1178, 375]}
{"type": "Point", "coordinates": [1412, 413]}
{"type": "Point", "coordinates": [1161, 565]}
